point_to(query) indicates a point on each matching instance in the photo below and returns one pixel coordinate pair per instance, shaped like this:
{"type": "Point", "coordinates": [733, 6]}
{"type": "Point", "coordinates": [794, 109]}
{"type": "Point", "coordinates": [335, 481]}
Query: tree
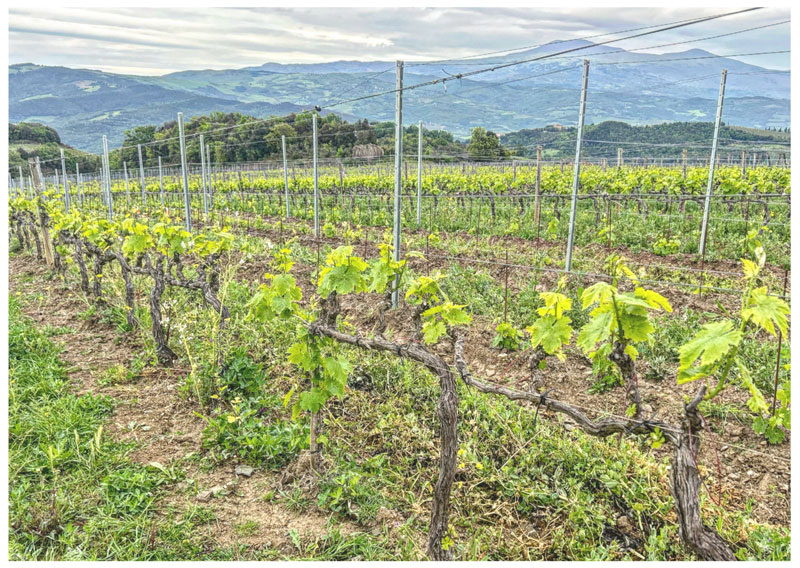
{"type": "Point", "coordinates": [485, 145]}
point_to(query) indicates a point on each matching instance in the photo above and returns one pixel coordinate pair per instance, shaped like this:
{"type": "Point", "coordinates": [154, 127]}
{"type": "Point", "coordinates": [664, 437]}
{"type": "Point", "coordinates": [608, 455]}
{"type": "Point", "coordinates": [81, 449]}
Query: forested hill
{"type": "Point", "coordinates": [658, 140]}
{"type": "Point", "coordinates": [29, 139]}
{"type": "Point", "coordinates": [234, 137]}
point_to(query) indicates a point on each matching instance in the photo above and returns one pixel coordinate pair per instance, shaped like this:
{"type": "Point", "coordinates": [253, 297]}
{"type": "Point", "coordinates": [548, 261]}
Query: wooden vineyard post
{"type": "Point", "coordinates": [38, 186]}
{"type": "Point", "coordinates": [685, 156]}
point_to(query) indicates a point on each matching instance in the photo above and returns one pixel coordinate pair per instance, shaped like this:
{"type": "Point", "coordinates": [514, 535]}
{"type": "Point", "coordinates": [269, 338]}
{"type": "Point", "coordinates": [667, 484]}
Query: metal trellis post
{"type": "Point", "coordinates": [203, 176]}
{"type": "Point", "coordinates": [66, 185]}
{"type": "Point", "coordinates": [419, 175]}
{"type": "Point", "coordinates": [210, 186]}
{"type": "Point", "coordinates": [576, 178]}
{"type": "Point", "coordinates": [711, 164]}
{"type": "Point", "coordinates": [285, 176]}
{"type": "Point", "coordinates": [21, 181]}
{"type": "Point", "coordinates": [398, 164]}
{"type": "Point", "coordinates": [79, 183]}
{"type": "Point", "coordinates": [141, 175]}
{"type": "Point", "coordinates": [316, 176]}
{"type": "Point", "coordinates": [187, 207]}
{"type": "Point", "coordinates": [127, 184]}
{"type": "Point", "coordinates": [161, 181]}
{"type": "Point", "coordinates": [108, 179]}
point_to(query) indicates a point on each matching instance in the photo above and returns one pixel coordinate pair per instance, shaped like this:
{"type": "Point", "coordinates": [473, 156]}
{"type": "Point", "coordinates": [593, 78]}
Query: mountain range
{"type": "Point", "coordinates": [637, 88]}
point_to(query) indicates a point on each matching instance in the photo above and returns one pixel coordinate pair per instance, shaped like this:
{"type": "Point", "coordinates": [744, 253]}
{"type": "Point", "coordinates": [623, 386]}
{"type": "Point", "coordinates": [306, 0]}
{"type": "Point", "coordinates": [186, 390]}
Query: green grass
{"type": "Point", "coordinates": [73, 493]}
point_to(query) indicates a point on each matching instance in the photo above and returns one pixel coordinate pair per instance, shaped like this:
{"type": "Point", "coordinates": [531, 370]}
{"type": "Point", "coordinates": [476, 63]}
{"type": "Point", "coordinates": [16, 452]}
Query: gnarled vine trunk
{"type": "Point", "coordinates": [164, 354]}
{"type": "Point", "coordinates": [685, 488]}
{"type": "Point", "coordinates": [447, 411]}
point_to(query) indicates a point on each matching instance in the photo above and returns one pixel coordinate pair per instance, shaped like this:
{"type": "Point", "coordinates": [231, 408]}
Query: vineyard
{"type": "Point", "coordinates": [460, 371]}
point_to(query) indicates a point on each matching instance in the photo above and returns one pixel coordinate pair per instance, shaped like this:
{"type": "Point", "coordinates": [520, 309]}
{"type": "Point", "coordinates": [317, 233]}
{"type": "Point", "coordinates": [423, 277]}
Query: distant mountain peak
{"type": "Point", "coordinates": [84, 104]}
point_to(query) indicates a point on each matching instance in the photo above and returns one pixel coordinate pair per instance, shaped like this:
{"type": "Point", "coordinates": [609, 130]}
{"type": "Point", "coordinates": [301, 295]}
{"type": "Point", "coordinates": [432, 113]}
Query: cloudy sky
{"type": "Point", "coordinates": [151, 41]}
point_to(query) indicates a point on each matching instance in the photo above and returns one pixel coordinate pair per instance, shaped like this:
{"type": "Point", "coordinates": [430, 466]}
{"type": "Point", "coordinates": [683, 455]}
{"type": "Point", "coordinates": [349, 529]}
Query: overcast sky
{"type": "Point", "coordinates": [149, 41]}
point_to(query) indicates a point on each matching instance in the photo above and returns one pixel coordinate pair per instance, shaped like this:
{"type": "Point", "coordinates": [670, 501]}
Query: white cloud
{"type": "Point", "coordinates": [155, 41]}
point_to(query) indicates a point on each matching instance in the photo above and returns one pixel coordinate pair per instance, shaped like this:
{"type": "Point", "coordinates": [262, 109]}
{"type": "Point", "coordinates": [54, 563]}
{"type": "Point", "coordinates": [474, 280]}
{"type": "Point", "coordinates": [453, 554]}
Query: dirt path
{"type": "Point", "coordinates": [164, 426]}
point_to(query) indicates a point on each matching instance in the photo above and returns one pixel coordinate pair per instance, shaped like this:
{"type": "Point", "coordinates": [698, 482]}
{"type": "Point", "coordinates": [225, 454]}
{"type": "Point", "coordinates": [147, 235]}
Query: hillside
{"type": "Point", "coordinates": [233, 138]}
{"type": "Point", "coordinates": [658, 140]}
{"type": "Point", "coordinates": [637, 88]}
{"type": "Point", "coordinates": [29, 139]}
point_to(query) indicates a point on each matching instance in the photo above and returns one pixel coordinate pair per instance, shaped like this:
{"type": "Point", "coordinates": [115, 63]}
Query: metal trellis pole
{"type": "Point", "coordinates": [187, 208]}
{"type": "Point", "coordinates": [141, 175]}
{"type": "Point", "coordinates": [398, 165]}
{"type": "Point", "coordinates": [576, 178]}
{"type": "Point", "coordinates": [66, 185]}
{"type": "Point", "coordinates": [127, 184]}
{"type": "Point", "coordinates": [21, 181]}
{"type": "Point", "coordinates": [711, 163]}
{"type": "Point", "coordinates": [419, 174]}
{"type": "Point", "coordinates": [108, 179]}
{"type": "Point", "coordinates": [79, 183]}
{"type": "Point", "coordinates": [208, 174]}
{"type": "Point", "coordinates": [285, 176]}
{"type": "Point", "coordinates": [203, 169]}
{"type": "Point", "coordinates": [161, 181]}
{"type": "Point", "coordinates": [316, 176]}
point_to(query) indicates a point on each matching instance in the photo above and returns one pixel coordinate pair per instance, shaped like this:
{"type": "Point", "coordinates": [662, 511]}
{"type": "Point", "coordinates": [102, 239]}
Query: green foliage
{"type": "Point", "coordinates": [426, 289]}
{"type": "Point", "coordinates": [240, 376]}
{"type": "Point", "coordinates": [708, 347]}
{"type": "Point", "coordinates": [664, 246]}
{"type": "Point", "coordinates": [253, 430]}
{"type": "Point", "coordinates": [508, 337]}
{"type": "Point", "coordinates": [343, 273]}
{"type": "Point", "coordinates": [716, 349]}
{"type": "Point", "coordinates": [437, 319]}
{"type": "Point", "coordinates": [385, 270]}
{"type": "Point", "coordinates": [485, 145]}
{"type": "Point", "coordinates": [620, 316]}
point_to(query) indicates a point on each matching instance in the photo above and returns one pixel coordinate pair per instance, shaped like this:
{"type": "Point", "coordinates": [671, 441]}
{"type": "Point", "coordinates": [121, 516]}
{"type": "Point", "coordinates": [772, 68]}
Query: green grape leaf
{"type": "Point", "coordinates": [694, 373]}
{"type": "Point", "coordinates": [598, 329]}
{"type": "Point", "coordinates": [600, 292]}
{"type": "Point", "coordinates": [432, 330]}
{"type": "Point", "coordinates": [710, 344]}
{"type": "Point", "coordinates": [756, 403]}
{"type": "Point", "coordinates": [750, 268]}
{"type": "Point", "coordinates": [653, 299]}
{"type": "Point", "coordinates": [760, 425]}
{"type": "Point", "coordinates": [554, 304]}
{"type": "Point", "coordinates": [551, 333]}
{"type": "Point", "coordinates": [313, 400]}
{"type": "Point", "coordinates": [636, 327]}
{"type": "Point", "coordinates": [766, 311]}
{"type": "Point", "coordinates": [336, 372]}
{"type": "Point", "coordinates": [774, 435]}
{"type": "Point", "coordinates": [303, 357]}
